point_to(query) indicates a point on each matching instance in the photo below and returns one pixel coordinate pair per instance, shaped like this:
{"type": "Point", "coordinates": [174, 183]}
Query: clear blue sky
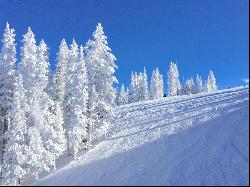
{"type": "Point", "coordinates": [198, 34]}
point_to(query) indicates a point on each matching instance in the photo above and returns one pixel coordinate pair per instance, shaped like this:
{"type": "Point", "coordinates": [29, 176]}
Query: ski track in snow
{"type": "Point", "coordinates": [155, 125]}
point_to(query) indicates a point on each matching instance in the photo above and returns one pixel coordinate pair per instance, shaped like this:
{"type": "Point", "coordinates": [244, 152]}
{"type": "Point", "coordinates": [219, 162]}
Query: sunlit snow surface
{"type": "Point", "coordinates": [201, 139]}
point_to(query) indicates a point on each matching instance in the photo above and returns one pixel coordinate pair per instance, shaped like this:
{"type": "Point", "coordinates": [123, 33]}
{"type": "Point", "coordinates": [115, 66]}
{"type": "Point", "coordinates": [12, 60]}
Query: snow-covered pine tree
{"type": "Point", "coordinates": [60, 72]}
{"type": "Point", "coordinates": [132, 89]}
{"type": "Point", "coordinates": [36, 161]}
{"type": "Point", "coordinates": [199, 85]}
{"type": "Point", "coordinates": [127, 94]}
{"type": "Point", "coordinates": [156, 85]}
{"type": "Point", "coordinates": [122, 96]}
{"type": "Point", "coordinates": [192, 86]}
{"type": "Point", "coordinates": [173, 80]}
{"type": "Point", "coordinates": [177, 81]}
{"type": "Point", "coordinates": [153, 83]}
{"type": "Point", "coordinates": [42, 74]}
{"type": "Point", "coordinates": [73, 57]}
{"type": "Point", "coordinates": [93, 104]}
{"type": "Point", "coordinates": [29, 70]}
{"type": "Point", "coordinates": [188, 87]}
{"type": "Point", "coordinates": [139, 86]}
{"type": "Point", "coordinates": [40, 117]}
{"type": "Point", "coordinates": [61, 84]}
{"type": "Point", "coordinates": [52, 132]}
{"type": "Point", "coordinates": [185, 88]}
{"type": "Point", "coordinates": [144, 86]}
{"type": "Point", "coordinates": [211, 82]}
{"type": "Point", "coordinates": [76, 101]}
{"type": "Point", "coordinates": [7, 71]}
{"type": "Point", "coordinates": [79, 133]}
{"type": "Point", "coordinates": [101, 67]}
{"type": "Point", "coordinates": [15, 156]}
{"type": "Point", "coordinates": [28, 66]}
{"type": "Point", "coordinates": [50, 88]}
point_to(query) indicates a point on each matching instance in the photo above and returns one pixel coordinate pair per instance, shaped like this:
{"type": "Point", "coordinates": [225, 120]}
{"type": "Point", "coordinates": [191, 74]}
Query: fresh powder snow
{"type": "Point", "coordinates": [200, 139]}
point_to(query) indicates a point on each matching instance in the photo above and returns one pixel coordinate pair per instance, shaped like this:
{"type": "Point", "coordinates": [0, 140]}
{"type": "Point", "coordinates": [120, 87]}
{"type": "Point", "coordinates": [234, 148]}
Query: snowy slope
{"type": "Point", "coordinates": [201, 139]}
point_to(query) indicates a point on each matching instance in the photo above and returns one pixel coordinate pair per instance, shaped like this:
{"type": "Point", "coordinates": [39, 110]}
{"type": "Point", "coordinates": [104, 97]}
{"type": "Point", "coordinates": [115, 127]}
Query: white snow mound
{"type": "Point", "coordinates": [201, 139]}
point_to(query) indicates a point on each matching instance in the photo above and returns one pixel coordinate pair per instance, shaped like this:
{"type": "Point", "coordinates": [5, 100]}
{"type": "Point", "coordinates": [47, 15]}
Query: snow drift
{"type": "Point", "coordinates": [201, 139]}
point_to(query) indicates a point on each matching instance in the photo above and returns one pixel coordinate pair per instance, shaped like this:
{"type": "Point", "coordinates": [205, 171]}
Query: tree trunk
{"type": "Point", "coordinates": [18, 182]}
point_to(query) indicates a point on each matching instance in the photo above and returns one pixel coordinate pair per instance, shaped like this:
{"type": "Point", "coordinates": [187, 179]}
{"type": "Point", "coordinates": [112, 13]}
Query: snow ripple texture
{"type": "Point", "coordinates": [201, 139]}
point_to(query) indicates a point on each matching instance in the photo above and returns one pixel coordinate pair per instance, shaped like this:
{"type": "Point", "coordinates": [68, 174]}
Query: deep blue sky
{"type": "Point", "coordinates": [198, 34]}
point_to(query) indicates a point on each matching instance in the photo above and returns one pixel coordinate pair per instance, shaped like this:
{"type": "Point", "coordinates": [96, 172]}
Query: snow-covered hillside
{"type": "Point", "coordinates": [201, 139]}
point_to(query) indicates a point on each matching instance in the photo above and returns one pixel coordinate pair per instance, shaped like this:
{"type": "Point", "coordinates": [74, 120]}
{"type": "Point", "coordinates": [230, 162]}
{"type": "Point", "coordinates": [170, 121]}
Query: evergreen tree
{"type": "Point", "coordinates": [28, 65]}
{"type": "Point", "coordinates": [188, 87]}
{"type": "Point", "coordinates": [173, 80]}
{"type": "Point", "coordinates": [153, 83]}
{"type": "Point", "coordinates": [51, 129]}
{"type": "Point", "coordinates": [192, 86]}
{"type": "Point", "coordinates": [101, 67]}
{"type": "Point", "coordinates": [93, 114]}
{"type": "Point", "coordinates": [52, 132]}
{"type": "Point", "coordinates": [185, 88]}
{"type": "Point", "coordinates": [144, 86]}
{"type": "Point", "coordinates": [41, 117]}
{"type": "Point", "coordinates": [211, 82]}
{"type": "Point", "coordinates": [122, 96]}
{"type": "Point", "coordinates": [156, 85]}
{"type": "Point", "coordinates": [136, 83]}
{"type": "Point", "coordinates": [132, 89]}
{"type": "Point", "coordinates": [38, 158]}
{"type": "Point", "coordinates": [139, 86]}
{"type": "Point", "coordinates": [60, 72]}
{"type": "Point", "coordinates": [16, 151]}
{"type": "Point", "coordinates": [198, 84]}
{"type": "Point", "coordinates": [62, 85]}
{"type": "Point", "coordinates": [127, 94]}
{"type": "Point", "coordinates": [78, 97]}
{"type": "Point", "coordinates": [50, 88]}
{"type": "Point", "coordinates": [42, 67]}
{"type": "Point", "coordinates": [7, 72]}
{"type": "Point", "coordinates": [177, 82]}
{"type": "Point", "coordinates": [70, 66]}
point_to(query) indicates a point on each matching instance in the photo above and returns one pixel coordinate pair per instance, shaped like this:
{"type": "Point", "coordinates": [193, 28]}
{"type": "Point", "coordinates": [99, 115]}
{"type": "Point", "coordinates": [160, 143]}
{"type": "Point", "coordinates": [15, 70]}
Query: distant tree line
{"type": "Point", "coordinates": [139, 91]}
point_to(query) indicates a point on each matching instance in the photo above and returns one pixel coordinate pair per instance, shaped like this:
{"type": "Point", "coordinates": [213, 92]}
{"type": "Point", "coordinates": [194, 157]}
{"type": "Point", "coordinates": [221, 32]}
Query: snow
{"type": "Point", "coordinates": [202, 139]}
